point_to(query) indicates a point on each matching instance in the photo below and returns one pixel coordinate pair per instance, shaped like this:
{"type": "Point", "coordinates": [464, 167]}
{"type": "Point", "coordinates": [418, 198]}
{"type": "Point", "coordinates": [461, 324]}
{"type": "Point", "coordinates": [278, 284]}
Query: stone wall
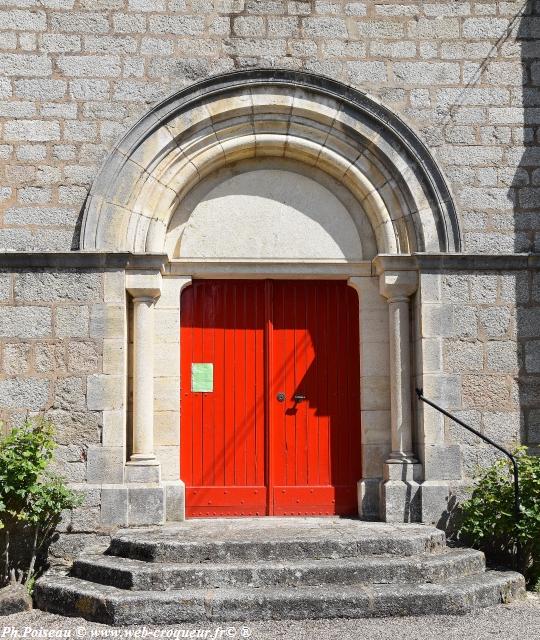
{"type": "Point", "coordinates": [74, 74]}
{"type": "Point", "coordinates": [477, 355]}
{"type": "Point", "coordinates": [51, 344]}
{"type": "Point", "coordinates": [57, 328]}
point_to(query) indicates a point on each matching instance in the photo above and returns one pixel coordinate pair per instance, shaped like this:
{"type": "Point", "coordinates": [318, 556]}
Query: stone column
{"type": "Point", "coordinates": [400, 495]}
{"type": "Point", "coordinates": [400, 374]}
{"type": "Point", "coordinates": [144, 288]}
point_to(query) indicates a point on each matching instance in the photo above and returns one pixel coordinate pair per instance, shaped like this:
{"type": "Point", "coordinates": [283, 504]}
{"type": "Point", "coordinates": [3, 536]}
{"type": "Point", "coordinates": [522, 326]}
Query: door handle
{"type": "Point", "coordinates": [299, 397]}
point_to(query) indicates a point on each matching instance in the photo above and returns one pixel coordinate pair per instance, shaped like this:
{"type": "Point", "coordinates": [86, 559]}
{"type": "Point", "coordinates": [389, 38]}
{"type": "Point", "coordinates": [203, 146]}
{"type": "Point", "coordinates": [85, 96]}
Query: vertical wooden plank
{"type": "Point", "coordinates": [197, 397]}
{"type": "Point", "coordinates": [259, 452]}
{"type": "Point", "coordinates": [313, 404]}
{"type": "Point", "coordinates": [186, 405]}
{"type": "Point", "coordinates": [300, 356]}
{"type": "Point", "coordinates": [239, 387]}
{"type": "Point", "coordinates": [207, 399]}
{"type": "Point", "coordinates": [229, 401]}
{"type": "Point", "coordinates": [219, 385]}
{"type": "Point", "coordinates": [340, 432]}
{"type": "Point", "coordinates": [270, 427]}
{"type": "Point", "coordinates": [348, 413]}
{"type": "Point", "coordinates": [280, 444]}
{"type": "Point", "coordinates": [289, 366]}
{"type": "Point", "coordinates": [262, 397]}
{"type": "Point", "coordinates": [354, 386]}
{"type": "Point", "coordinates": [323, 304]}
{"type": "Point", "coordinates": [275, 413]}
{"type": "Point", "coordinates": [250, 411]}
{"type": "Point", "coordinates": [333, 398]}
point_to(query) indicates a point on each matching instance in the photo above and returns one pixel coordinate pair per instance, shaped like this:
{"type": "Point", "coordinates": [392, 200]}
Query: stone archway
{"type": "Point", "coordinates": [378, 197]}
{"type": "Point", "coordinates": [270, 113]}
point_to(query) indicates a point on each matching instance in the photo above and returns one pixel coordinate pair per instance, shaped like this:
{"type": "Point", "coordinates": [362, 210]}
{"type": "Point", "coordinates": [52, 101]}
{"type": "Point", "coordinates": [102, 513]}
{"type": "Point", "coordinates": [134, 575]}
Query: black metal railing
{"type": "Point", "coordinates": [517, 500]}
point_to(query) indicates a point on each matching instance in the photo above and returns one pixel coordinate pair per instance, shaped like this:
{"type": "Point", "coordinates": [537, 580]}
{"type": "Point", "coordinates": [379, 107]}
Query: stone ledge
{"type": "Point", "coordinates": [434, 262]}
{"type": "Point", "coordinates": [81, 260]}
{"type": "Point", "coordinates": [424, 262]}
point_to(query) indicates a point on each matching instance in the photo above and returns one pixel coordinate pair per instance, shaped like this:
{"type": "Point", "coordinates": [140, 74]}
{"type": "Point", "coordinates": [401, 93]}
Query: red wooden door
{"type": "Point", "coordinates": [222, 452]}
{"type": "Point", "coordinates": [315, 438]}
{"type": "Point", "coordinates": [248, 446]}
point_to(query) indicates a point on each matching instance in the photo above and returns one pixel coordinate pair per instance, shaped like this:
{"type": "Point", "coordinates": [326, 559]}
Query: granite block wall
{"type": "Point", "coordinates": [74, 75]}
{"type": "Point", "coordinates": [56, 331]}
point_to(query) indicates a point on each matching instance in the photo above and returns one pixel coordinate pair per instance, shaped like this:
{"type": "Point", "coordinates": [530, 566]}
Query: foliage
{"type": "Point", "coordinates": [487, 517]}
{"type": "Point", "coordinates": [32, 498]}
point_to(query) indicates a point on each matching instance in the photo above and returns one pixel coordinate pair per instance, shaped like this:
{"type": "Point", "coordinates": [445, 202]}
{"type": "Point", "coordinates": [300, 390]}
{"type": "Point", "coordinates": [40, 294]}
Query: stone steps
{"type": "Point", "coordinates": [283, 542]}
{"type": "Point", "coordinates": [138, 575]}
{"type": "Point", "coordinates": [107, 604]}
{"type": "Point", "coordinates": [274, 568]}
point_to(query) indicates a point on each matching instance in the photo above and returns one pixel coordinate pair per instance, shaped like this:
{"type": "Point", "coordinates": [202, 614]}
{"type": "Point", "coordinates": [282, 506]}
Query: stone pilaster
{"type": "Point", "coordinates": [402, 473]}
{"type": "Point", "coordinates": [144, 288]}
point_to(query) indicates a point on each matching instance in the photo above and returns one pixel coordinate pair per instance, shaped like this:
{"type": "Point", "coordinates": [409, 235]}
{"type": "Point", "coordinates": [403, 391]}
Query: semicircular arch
{"type": "Point", "coordinates": [256, 114]}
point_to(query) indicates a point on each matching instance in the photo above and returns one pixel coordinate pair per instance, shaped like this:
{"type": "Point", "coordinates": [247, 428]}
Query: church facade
{"type": "Point", "coordinates": [238, 235]}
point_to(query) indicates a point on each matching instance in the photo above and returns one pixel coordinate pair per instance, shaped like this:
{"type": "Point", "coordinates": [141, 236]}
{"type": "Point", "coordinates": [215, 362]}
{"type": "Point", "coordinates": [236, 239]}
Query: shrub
{"type": "Point", "coordinates": [32, 498]}
{"type": "Point", "coordinates": [487, 517]}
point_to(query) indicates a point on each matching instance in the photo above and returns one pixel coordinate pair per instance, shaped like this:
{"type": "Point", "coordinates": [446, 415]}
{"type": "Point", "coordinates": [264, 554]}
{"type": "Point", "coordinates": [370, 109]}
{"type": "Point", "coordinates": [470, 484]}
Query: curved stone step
{"type": "Point", "coordinates": [101, 603]}
{"type": "Point", "coordinates": [225, 540]}
{"type": "Point", "coordinates": [138, 575]}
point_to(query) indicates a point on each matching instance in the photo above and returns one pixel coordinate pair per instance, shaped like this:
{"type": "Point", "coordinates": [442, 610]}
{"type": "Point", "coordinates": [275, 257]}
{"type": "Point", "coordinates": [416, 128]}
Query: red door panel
{"type": "Point", "coordinates": [222, 453]}
{"type": "Point", "coordinates": [315, 438]}
{"type": "Point", "coordinates": [244, 451]}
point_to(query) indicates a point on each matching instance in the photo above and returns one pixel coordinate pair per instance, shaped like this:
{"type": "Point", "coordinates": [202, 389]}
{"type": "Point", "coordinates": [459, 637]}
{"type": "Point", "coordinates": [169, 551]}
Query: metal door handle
{"type": "Point", "coordinates": [299, 398]}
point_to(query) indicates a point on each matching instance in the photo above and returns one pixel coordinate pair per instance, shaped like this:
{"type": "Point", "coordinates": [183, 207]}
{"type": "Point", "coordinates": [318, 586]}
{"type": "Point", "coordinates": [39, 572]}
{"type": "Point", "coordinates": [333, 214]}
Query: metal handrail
{"type": "Point", "coordinates": [517, 500]}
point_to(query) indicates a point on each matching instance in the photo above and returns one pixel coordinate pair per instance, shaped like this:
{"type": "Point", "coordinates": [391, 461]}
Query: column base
{"type": "Point", "coordinates": [147, 472]}
{"type": "Point", "coordinates": [400, 494]}
{"type": "Point", "coordinates": [137, 504]}
{"type": "Point", "coordinates": [143, 458]}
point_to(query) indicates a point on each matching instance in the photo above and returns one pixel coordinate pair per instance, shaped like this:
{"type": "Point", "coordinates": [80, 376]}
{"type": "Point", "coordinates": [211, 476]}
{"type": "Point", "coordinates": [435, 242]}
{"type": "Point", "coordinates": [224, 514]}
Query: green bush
{"type": "Point", "coordinates": [487, 517]}
{"type": "Point", "coordinates": [32, 498]}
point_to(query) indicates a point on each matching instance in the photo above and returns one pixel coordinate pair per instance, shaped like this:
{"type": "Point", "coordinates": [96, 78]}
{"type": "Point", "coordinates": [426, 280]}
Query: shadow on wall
{"type": "Point", "coordinates": [76, 238]}
{"type": "Point", "coordinates": [517, 128]}
{"type": "Point", "coordinates": [525, 194]}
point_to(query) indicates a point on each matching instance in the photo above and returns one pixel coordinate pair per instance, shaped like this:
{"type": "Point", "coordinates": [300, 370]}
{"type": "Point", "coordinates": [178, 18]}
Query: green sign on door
{"type": "Point", "coordinates": [202, 377]}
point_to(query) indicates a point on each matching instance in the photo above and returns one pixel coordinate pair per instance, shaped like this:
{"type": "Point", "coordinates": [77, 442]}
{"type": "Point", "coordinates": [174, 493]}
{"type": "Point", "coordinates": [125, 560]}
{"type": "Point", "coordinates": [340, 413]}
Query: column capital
{"type": "Point", "coordinates": [143, 283]}
{"type": "Point", "coordinates": [398, 285]}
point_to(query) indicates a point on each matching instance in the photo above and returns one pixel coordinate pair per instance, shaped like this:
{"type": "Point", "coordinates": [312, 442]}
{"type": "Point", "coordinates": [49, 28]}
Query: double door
{"type": "Point", "coordinates": [270, 398]}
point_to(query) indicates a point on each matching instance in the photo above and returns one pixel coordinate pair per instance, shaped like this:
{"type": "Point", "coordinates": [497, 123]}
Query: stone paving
{"type": "Point", "coordinates": [516, 621]}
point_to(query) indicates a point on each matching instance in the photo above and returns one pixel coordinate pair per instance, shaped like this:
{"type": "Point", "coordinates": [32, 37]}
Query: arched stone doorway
{"type": "Point", "coordinates": [270, 113]}
{"type": "Point", "coordinates": [342, 189]}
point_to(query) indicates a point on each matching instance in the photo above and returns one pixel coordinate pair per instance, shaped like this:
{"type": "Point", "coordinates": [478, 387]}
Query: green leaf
{"type": "Point", "coordinates": [487, 516]}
